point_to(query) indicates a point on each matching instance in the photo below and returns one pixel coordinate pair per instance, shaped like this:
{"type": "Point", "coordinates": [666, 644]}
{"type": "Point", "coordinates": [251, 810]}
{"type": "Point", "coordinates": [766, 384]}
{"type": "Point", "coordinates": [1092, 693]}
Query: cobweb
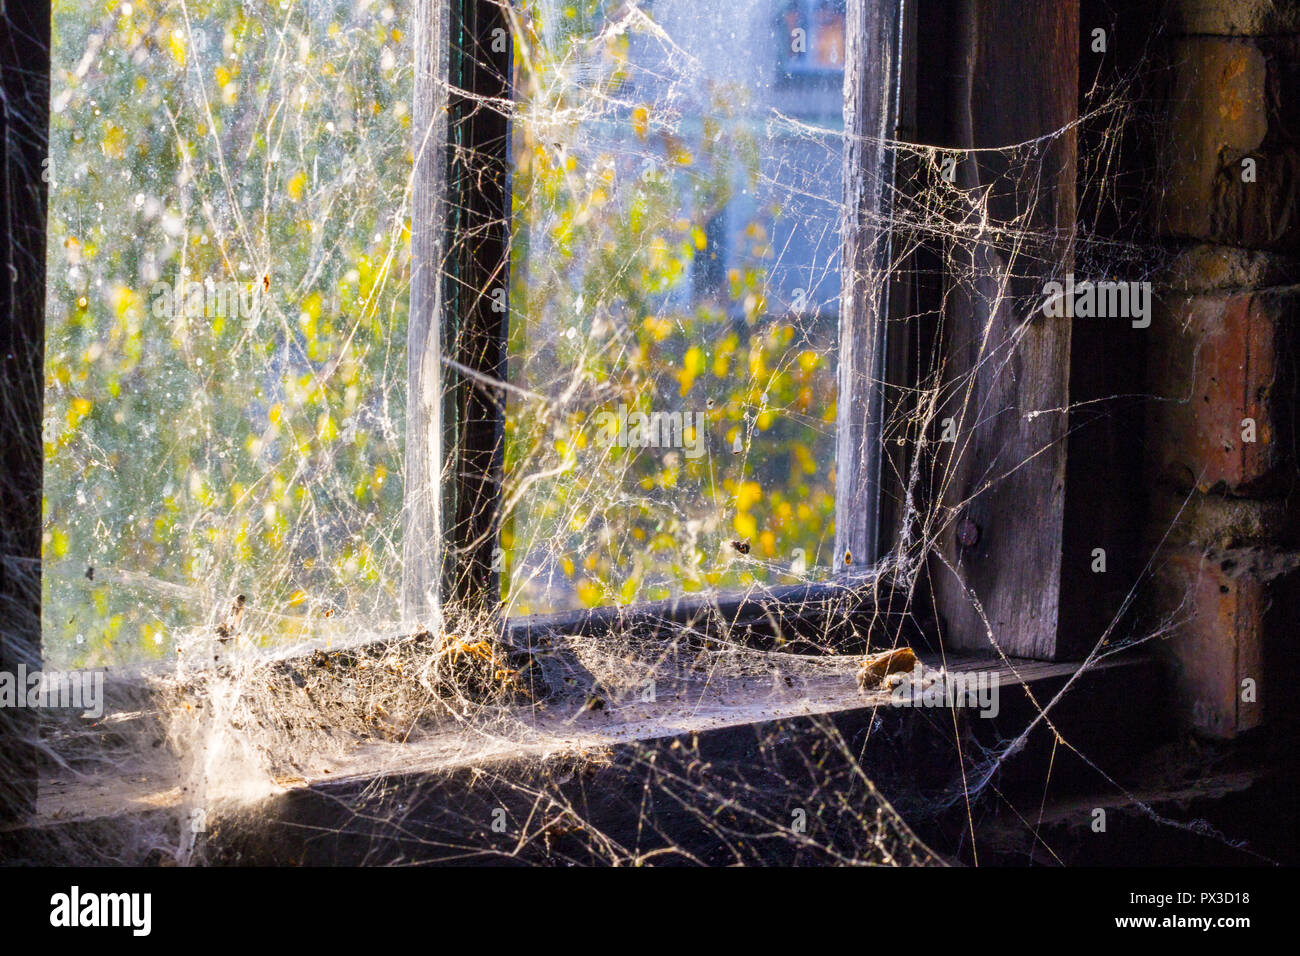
{"type": "Point", "coordinates": [229, 275]}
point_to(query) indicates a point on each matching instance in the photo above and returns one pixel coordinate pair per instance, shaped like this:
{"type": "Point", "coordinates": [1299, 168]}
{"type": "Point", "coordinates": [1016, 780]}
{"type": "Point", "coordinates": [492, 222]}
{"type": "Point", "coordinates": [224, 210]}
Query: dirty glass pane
{"type": "Point", "coordinates": [674, 298]}
{"type": "Point", "coordinates": [226, 312]}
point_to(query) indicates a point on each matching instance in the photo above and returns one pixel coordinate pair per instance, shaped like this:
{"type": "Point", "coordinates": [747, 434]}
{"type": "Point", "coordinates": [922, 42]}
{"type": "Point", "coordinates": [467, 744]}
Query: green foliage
{"type": "Point", "coordinates": [245, 434]}
{"type": "Point", "coordinates": [613, 197]}
{"type": "Point", "coordinates": [196, 452]}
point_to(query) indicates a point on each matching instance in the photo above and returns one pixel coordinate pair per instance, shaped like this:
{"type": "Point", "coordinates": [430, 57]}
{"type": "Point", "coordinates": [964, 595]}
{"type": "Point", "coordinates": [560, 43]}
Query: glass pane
{"type": "Point", "coordinates": [226, 320]}
{"type": "Point", "coordinates": [675, 292]}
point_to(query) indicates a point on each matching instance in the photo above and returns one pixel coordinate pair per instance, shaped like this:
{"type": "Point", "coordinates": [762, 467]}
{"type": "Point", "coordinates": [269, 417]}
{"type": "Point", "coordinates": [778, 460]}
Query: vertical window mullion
{"type": "Point", "coordinates": [871, 76]}
{"type": "Point", "coordinates": [475, 281]}
{"type": "Point", "coordinates": [458, 321]}
{"type": "Point", "coordinates": [422, 504]}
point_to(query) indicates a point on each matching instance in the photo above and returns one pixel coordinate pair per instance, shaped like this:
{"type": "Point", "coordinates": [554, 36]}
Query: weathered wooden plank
{"type": "Point", "coordinates": [1002, 481]}
{"type": "Point", "coordinates": [440, 788]}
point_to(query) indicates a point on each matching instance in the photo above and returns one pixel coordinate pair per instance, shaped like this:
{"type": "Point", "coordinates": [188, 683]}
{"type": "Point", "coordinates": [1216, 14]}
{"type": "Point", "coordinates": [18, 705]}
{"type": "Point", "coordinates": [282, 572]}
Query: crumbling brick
{"type": "Point", "coordinates": [1233, 101]}
{"type": "Point", "coordinates": [1219, 364]}
{"type": "Point", "coordinates": [1233, 634]}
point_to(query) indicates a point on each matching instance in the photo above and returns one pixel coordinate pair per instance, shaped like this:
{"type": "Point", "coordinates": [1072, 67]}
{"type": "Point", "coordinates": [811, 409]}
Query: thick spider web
{"type": "Point", "coordinates": [677, 218]}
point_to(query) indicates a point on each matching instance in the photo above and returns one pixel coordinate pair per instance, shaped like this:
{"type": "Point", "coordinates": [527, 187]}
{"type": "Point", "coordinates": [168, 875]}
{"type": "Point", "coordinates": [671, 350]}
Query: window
{"type": "Point", "coordinates": [674, 305]}
{"type": "Point", "coordinates": [228, 272]}
{"type": "Point", "coordinates": [633, 217]}
{"type": "Point", "coordinates": [673, 315]}
{"type": "Point", "coordinates": [609, 314]}
{"type": "Point", "coordinates": [809, 38]}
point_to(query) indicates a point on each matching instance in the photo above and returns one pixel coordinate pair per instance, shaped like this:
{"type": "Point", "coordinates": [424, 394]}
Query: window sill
{"type": "Point", "coordinates": [436, 794]}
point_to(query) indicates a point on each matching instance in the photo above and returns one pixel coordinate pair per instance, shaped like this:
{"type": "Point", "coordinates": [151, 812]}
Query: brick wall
{"type": "Point", "coordinates": [1220, 434]}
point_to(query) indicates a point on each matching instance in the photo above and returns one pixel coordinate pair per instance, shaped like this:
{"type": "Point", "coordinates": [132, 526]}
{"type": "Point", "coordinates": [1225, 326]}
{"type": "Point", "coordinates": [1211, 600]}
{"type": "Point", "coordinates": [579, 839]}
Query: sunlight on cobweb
{"type": "Point", "coordinates": [229, 269]}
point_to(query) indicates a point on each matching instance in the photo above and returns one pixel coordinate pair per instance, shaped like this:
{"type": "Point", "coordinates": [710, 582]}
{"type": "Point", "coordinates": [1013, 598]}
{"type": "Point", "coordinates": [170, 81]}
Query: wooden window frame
{"type": "Point", "coordinates": [1039, 607]}
{"type": "Point", "coordinates": [457, 332]}
{"type": "Point", "coordinates": [1009, 572]}
{"type": "Point", "coordinates": [1006, 543]}
{"type": "Point", "coordinates": [458, 350]}
{"type": "Point", "coordinates": [1031, 486]}
{"type": "Point", "coordinates": [915, 306]}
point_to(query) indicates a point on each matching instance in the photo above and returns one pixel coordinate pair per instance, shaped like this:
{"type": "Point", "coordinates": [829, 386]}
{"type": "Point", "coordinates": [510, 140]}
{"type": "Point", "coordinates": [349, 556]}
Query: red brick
{"type": "Point", "coordinates": [1223, 606]}
{"type": "Point", "coordinates": [1232, 99]}
{"type": "Point", "coordinates": [1216, 361]}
